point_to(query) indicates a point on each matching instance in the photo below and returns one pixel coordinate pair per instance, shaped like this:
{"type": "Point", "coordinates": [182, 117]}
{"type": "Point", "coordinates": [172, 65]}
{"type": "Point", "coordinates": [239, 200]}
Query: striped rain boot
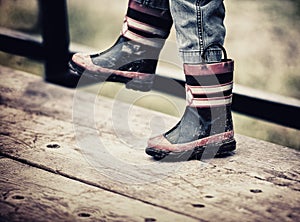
{"type": "Point", "coordinates": [133, 58]}
{"type": "Point", "coordinates": [206, 128]}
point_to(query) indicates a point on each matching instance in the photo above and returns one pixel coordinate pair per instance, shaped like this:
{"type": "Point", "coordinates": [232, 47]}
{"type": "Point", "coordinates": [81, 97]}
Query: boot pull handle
{"type": "Point", "coordinates": [214, 44]}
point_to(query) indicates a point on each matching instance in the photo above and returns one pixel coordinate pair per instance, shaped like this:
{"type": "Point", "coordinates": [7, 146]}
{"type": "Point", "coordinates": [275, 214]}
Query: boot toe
{"type": "Point", "coordinates": [82, 60]}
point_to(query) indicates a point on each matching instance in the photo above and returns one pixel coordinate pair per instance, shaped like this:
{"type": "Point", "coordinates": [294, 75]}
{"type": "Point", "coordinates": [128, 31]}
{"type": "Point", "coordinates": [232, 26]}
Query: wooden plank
{"type": "Point", "coordinates": [33, 95]}
{"type": "Point", "coordinates": [227, 180]}
{"type": "Point", "coordinates": [259, 182]}
{"type": "Point", "coordinates": [31, 194]}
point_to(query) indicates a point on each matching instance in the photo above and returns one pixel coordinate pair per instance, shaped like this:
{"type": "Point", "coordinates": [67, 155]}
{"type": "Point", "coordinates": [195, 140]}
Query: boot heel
{"type": "Point", "coordinates": [228, 146]}
{"type": "Point", "coordinates": [143, 85]}
{"type": "Point", "coordinates": [215, 149]}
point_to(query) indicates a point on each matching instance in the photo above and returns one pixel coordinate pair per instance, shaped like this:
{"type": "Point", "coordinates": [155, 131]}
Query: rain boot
{"type": "Point", "coordinates": [134, 56]}
{"type": "Point", "coordinates": [206, 127]}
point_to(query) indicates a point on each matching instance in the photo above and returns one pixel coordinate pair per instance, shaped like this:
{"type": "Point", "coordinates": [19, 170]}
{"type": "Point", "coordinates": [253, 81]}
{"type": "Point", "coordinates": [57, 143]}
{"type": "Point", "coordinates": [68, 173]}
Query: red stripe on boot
{"type": "Point", "coordinates": [209, 69]}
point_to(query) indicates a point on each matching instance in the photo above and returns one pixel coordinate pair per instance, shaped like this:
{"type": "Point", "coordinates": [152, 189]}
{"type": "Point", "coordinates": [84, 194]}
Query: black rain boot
{"type": "Point", "coordinates": [134, 56]}
{"type": "Point", "coordinates": [206, 128]}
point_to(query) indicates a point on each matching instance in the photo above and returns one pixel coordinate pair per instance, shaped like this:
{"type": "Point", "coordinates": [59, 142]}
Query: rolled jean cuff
{"type": "Point", "coordinates": [156, 4]}
{"type": "Point", "coordinates": [194, 57]}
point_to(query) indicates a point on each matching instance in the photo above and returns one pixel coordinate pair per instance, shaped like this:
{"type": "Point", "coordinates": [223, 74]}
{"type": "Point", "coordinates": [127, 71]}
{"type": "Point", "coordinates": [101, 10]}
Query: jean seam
{"type": "Point", "coordinates": [200, 25]}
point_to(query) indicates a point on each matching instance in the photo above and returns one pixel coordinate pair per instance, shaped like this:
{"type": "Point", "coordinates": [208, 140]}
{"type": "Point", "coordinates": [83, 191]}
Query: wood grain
{"type": "Point", "coordinates": [31, 194]}
{"type": "Point", "coordinates": [261, 182]}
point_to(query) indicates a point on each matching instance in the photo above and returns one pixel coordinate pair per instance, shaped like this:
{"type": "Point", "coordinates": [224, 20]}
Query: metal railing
{"type": "Point", "coordinates": [53, 49]}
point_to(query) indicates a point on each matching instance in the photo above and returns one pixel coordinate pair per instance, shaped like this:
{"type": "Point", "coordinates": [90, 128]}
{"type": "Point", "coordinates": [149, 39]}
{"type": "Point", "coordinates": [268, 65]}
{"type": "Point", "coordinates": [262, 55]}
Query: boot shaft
{"type": "Point", "coordinates": [146, 25]}
{"type": "Point", "coordinates": [209, 85]}
{"type": "Point", "coordinates": [209, 93]}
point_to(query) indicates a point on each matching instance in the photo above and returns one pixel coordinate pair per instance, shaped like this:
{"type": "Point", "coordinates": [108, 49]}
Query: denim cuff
{"type": "Point", "coordinates": [194, 57]}
{"type": "Point", "coordinates": [157, 4]}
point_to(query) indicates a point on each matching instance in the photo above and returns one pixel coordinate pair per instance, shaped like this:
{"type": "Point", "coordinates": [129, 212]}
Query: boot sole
{"type": "Point", "coordinates": [202, 152]}
{"type": "Point", "coordinates": [140, 84]}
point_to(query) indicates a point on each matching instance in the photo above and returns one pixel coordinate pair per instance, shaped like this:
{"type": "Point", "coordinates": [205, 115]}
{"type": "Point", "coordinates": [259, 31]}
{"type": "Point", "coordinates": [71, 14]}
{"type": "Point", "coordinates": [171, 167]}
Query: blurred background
{"type": "Point", "coordinates": [262, 37]}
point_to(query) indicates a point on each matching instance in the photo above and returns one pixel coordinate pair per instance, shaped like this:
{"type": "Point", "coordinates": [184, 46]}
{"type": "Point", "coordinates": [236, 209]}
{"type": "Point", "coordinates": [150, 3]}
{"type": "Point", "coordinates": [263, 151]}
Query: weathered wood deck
{"type": "Point", "coordinates": [46, 176]}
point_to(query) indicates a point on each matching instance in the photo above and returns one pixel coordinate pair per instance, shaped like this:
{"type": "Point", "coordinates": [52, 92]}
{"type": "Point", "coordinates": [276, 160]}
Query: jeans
{"type": "Point", "coordinates": [198, 23]}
